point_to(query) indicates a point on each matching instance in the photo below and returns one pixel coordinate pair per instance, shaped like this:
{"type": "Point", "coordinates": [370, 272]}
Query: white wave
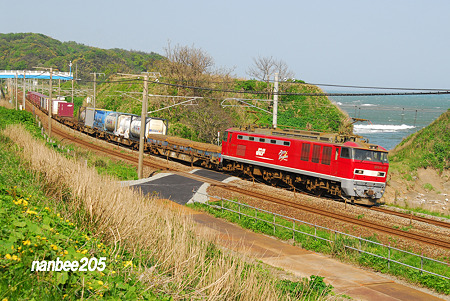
{"type": "Point", "coordinates": [368, 105]}
{"type": "Point", "coordinates": [339, 103]}
{"type": "Point", "coordinates": [380, 128]}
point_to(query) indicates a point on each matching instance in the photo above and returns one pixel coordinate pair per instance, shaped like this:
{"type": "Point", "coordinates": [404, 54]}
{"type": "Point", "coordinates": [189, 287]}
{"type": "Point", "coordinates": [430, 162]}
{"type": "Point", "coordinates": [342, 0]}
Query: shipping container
{"type": "Point", "coordinates": [89, 117]}
{"type": "Point", "coordinates": [55, 106]}
{"type": "Point", "coordinates": [65, 109]}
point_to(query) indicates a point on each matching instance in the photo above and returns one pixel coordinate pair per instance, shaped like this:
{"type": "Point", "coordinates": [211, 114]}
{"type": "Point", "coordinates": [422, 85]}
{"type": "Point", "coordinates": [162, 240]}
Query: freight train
{"type": "Point", "coordinates": [341, 166]}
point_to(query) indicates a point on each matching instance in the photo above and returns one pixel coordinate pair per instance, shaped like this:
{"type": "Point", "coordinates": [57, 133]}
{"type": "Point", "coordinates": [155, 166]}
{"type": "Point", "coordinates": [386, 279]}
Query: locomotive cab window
{"type": "Point", "coordinates": [251, 138]}
{"type": "Point", "coordinates": [345, 153]}
{"type": "Point", "coordinates": [273, 141]}
{"type": "Point", "coordinates": [262, 140]}
{"type": "Point", "coordinates": [368, 155]}
{"type": "Point", "coordinates": [286, 143]}
{"type": "Point", "coordinates": [225, 137]}
{"type": "Point", "coordinates": [240, 137]}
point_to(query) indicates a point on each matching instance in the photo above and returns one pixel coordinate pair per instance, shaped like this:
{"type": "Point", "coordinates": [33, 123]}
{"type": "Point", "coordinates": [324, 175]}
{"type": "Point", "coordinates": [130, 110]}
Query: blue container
{"type": "Point", "coordinates": [99, 119]}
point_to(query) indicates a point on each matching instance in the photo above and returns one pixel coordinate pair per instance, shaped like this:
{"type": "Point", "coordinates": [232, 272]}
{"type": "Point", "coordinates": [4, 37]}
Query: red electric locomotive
{"type": "Point", "coordinates": [324, 163]}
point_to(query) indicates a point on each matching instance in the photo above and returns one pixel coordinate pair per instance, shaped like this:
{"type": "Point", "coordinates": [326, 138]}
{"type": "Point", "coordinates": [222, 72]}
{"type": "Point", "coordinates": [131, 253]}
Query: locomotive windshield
{"type": "Point", "coordinates": [368, 155]}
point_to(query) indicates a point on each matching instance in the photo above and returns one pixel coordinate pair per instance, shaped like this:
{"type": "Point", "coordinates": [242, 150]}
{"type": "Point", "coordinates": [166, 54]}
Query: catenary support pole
{"type": "Point", "coordinates": [142, 129]}
{"type": "Point", "coordinates": [15, 91]}
{"type": "Point", "coordinates": [275, 101]}
{"type": "Point", "coordinates": [50, 104]}
{"type": "Point", "coordinates": [24, 89]}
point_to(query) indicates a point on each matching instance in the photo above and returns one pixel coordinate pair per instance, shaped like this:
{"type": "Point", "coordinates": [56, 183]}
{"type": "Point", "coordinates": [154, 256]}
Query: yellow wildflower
{"type": "Point", "coordinates": [26, 242]}
{"type": "Point", "coordinates": [84, 252]}
{"type": "Point", "coordinates": [31, 212]}
{"type": "Point", "coordinates": [7, 256]}
{"type": "Point", "coordinates": [54, 247]}
{"type": "Point", "coordinates": [100, 282]}
{"type": "Point", "coordinates": [25, 203]}
{"type": "Point", "coordinates": [66, 252]}
{"type": "Point", "coordinates": [127, 263]}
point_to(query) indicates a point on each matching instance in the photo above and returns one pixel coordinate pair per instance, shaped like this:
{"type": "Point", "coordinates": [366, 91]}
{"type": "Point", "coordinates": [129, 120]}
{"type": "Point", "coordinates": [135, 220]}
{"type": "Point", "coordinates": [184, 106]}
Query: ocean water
{"type": "Point", "coordinates": [391, 118]}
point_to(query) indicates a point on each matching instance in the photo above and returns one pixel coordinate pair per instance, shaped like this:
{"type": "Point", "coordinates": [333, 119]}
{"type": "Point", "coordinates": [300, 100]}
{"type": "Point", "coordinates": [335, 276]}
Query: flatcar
{"type": "Point", "coordinates": [324, 163]}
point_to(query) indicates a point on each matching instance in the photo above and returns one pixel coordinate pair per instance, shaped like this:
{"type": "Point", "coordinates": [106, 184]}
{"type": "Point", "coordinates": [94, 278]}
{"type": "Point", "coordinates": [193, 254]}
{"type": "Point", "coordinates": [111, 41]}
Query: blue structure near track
{"type": "Point", "coordinates": [35, 74]}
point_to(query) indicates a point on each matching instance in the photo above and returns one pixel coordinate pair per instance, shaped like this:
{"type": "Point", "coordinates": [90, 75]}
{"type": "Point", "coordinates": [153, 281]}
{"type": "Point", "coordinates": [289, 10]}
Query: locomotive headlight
{"type": "Point", "coordinates": [359, 171]}
{"type": "Point", "coordinates": [381, 174]}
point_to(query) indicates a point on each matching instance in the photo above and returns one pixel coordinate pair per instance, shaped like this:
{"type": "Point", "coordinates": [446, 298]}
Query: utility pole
{"type": "Point", "coordinates": [95, 83]}
{"type": "Point", "coordinates": [275, 101]}
{"type": "Point", "coordinates": [70, 65]}
{"type": "Point", "coordinates": [49, 102]}
{"type": "Point", "coordinates": [143, 117]}
{"type": "Point", "coordinates": [15, 90]}
{"type": "Point", "coordinates": [142, 129]}
{"type": "Point", "coordinates": [50, 105]}
{"type": "Point", "coordinates": [24, 89]}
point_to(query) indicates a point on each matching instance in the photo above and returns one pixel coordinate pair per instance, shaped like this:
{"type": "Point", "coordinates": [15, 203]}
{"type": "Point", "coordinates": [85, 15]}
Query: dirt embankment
{"type": "Point", "coordinates": [428, 189]}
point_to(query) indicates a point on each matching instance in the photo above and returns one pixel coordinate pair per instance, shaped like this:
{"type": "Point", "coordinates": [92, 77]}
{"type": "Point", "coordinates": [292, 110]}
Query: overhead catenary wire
{"type": "Point", "coordinates": [428, 91]}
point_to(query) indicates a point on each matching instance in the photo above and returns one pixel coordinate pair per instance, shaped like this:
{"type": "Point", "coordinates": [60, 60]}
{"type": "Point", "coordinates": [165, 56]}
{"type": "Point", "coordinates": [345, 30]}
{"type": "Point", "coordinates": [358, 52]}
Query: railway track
{"type": "Point", "coordinates": [413, 217]}
{"type": "Point", "coordinates": [270, 198]}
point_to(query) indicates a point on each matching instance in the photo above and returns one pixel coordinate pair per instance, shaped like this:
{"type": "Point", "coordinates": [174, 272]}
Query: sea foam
{"type": "Point", "coordinates": [380, 128]}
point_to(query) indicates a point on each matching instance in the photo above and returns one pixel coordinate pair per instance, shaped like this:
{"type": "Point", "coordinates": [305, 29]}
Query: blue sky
{"type": "Point", "coordinates": [401, 43]}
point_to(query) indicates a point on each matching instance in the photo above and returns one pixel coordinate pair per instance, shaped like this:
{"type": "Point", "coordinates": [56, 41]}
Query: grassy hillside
{"type": "Point", "coordinates": [429, 147]}
{"type": "Point", "coordinates": [20, 51]}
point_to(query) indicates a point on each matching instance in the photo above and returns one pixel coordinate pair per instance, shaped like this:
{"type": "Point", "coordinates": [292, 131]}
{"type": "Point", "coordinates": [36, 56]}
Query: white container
{"type": "Point", "coordinates": [89, 117]}
{"type": "Point", "coordinates": [153, 126]}
{"type": "Point", "coordinates": [111, 122]}
{"type": "Point", "coordinates": [55, 106]}
{"type": "Point", "coordinates": [124, 126]}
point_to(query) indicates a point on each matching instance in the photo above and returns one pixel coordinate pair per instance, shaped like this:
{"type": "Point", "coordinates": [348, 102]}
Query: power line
{"type": "Point", "coordinates": [428, 91]}
{"type": "Point", "coordinates": [432, 92]}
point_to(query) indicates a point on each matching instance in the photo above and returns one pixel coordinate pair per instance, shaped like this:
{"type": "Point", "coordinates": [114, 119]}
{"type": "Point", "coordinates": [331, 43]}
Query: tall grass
{"type": "Point", "coordinates": [178, 260]}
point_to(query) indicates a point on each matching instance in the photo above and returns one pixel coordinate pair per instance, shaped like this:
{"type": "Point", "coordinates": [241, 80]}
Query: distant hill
{"type": "Point", "coordinates": [20, 51]}
{"type": "Point", "coordinates": [429, 147]}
